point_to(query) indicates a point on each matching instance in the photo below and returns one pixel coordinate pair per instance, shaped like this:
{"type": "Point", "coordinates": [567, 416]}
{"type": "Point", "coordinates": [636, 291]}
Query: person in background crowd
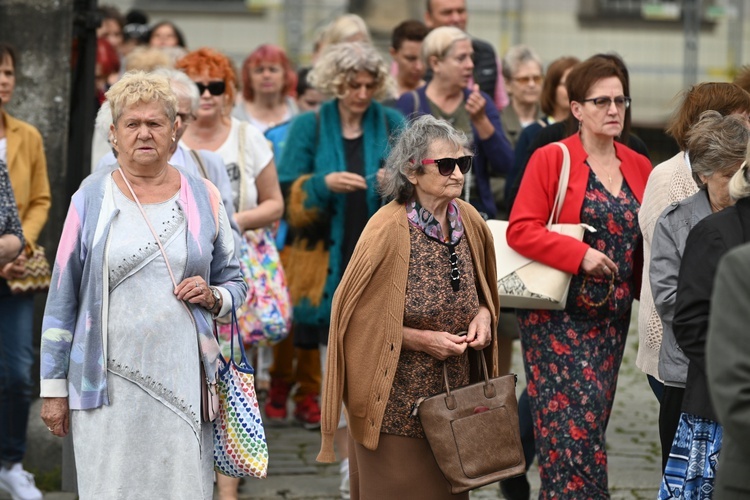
{"type": "Point", "coordinates": [107, 68]}
{"type": "Point", "coordinates": [405, 49]}
{"type": "Point", "coordinates": [165, 34]}
{"type": "Point", "coordinates": [133, 381]}
{"type": "Point", "coordinates": [111, 28]}
{"type": "Point", "coordinates": [447, 51]}
{"type": "Point", "coordinates": [560, 130]}
{"type": "Point", "coordinates": [671, 182]}
{"type": "Point", "coordinates": [523, 74]}
{"type": "Point", "coordinates": [330, 180]}
{"type": "Point", "coordinates": [556, 108]}
{"type": "Point", "coordinates": [717, 146]}
{"type": "Point", "coordinates": [572, 357]}
{"type": "Point", "coordinates": [695, 455]}
{"type": "Point", "coordinates": [487, 67]}
{"type": "Point", "coordinates": [146, 59]}
{"type": "Point", "coordinates": [345, 28]}
{"type": "Point", "coordinates": [22, 153]}
{"type": "Point", "coordinates": [416, 306]}
{"type": "Point", "coordinates": [268, 89]}
{"type": "Point", "coordinates": [294, 369]}
{"type": "Point", "coordinates": [135, 30]}
{"type": "Point", "coordinates": [248, 160]}
{"type": "Point", "coordinates": [726, 367]}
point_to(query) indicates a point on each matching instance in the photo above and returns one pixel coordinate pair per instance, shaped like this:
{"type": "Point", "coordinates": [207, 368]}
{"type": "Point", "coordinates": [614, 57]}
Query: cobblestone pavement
{"type": "Point", "coordinates": [633, 447]}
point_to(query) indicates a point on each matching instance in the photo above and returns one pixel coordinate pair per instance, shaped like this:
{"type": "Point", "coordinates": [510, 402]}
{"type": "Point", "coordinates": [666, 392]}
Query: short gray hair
{"type": "Point", "coordinates": [440, 41]}
{"type": "Point", "coordinates": [182, 86]}
{"type": "Point", "coordinates": [716, 144]}
{"type": "Point", "coordinates": [518, 55]}
{"type": "Point", "coordinates": [413, 145]}
{"type": "Point", "coordinates": [340, 62]}
{"type": "Point", "coordinates": [140, 87]}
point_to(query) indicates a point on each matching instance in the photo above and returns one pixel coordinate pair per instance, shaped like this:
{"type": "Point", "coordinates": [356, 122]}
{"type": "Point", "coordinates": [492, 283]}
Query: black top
{"type": "Point", "coordinates": [355, 218]}
{"type": "Point", "coordinates": [707, 242]}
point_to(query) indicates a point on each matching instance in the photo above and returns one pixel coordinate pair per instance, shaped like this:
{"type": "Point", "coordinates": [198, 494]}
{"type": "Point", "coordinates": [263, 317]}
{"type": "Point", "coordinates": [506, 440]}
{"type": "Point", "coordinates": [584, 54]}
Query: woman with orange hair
{"type": "Point", "coordinates": [247, 157]}
{"type": "Point", "coordinates": [268, 88]}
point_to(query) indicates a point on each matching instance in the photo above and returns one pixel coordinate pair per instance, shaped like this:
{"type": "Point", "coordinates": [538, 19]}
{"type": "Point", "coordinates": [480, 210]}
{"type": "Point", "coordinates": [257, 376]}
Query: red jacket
{"type": "Point", "coordinates": [527, 230]}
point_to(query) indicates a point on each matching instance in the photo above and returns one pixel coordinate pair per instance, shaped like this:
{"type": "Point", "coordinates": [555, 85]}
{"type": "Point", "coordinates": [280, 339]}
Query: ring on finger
{"type": "Point", "coordinates": [49, 429]}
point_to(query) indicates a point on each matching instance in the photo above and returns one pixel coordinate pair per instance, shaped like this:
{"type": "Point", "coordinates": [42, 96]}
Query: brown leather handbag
{"type": "Point", "coordinates": [473, 431]}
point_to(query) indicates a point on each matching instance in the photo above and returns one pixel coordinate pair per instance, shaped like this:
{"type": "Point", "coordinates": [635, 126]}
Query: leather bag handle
{"type": "Point", "coordinates": [562, 187]}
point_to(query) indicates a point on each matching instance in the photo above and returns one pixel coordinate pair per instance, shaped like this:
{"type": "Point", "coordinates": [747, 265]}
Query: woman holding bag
{"type": "Point", "coordinates": [133, 381]}
{"type": "Point", "coordinates": [422, 274]}
{"type": "Point", "coordinates": [572, 357]}
{"type": "Point", "coordinates": [249, 161]}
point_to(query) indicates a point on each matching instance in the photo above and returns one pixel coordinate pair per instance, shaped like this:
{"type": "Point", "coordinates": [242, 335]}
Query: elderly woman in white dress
{"type": "Point", "coordinates": [122, 347]}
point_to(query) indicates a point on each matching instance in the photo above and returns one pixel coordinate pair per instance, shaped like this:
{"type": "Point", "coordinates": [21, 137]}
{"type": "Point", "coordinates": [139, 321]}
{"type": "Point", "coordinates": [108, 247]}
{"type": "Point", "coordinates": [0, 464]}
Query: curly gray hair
{"type": "Point", "coordinates": [413, 145]}
{"type": "Point", "coordinates": [340, 62]}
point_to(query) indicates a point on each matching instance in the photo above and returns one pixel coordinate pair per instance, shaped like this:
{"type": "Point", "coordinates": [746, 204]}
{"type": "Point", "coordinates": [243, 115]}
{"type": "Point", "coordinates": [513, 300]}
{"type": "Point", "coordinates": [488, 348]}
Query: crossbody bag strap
{"type": "Point", "coordinates": [241, 165]}
{"type": "Point", "coordinates": [562, 187]}
{"type": "Point", "coordinates": [148, 222]}
{"type": "Point", "coordinates": [197, 157]}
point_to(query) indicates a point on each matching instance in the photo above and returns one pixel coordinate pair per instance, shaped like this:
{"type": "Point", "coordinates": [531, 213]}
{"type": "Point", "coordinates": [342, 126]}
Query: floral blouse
{"type": "Point", "coordinates": [9, 221]}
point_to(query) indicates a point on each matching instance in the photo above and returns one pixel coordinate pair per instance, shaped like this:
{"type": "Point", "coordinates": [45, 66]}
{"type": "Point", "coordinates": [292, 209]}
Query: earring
{"type": "Point", "coordinates": [115, 141]}
{"type": "Point", "coordinates": [580, 124]}
{"type": "Point", "coordinates": [173, 138]}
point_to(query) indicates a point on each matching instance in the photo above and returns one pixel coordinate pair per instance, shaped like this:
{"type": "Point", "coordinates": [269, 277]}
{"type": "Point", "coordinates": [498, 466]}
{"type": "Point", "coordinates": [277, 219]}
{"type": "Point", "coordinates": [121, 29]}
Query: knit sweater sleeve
{"type": "Point", "coordinates": [356, 278]}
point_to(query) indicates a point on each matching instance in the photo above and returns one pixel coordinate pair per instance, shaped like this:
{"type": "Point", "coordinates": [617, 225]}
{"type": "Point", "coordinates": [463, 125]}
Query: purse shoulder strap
{"type": "Point", "coordinates": [148, 222]}
{"type": "Point", "coordinates": [241, 164]}
{"type": "Point", "coordinates": [562, 187]}
{"type": "Point", "coordinates": [199, 161]}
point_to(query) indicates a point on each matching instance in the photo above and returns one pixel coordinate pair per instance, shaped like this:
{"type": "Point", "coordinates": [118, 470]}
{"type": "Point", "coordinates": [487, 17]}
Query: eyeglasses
{"type": "Point", "coordinates": [214, 88]}
{"type": "Point", "coordinates": [186, 117]}
{"type": "Point", "coordinates": [525, 80]}
{"type": "Point", "coordinates": [622, 102]}
{"type": "Point", "coordinates": [446, 166]}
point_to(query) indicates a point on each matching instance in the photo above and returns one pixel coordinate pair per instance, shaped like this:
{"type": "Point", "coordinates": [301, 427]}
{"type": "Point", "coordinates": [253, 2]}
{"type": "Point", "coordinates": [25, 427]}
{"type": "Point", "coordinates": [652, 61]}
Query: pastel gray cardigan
{"type": "Point", "coordinates": [74, 340]}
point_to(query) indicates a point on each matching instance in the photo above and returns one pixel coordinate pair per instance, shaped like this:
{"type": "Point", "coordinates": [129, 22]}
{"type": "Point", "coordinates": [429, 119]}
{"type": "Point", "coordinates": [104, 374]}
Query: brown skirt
{"type": "Point", "coordinates": [401, 467]}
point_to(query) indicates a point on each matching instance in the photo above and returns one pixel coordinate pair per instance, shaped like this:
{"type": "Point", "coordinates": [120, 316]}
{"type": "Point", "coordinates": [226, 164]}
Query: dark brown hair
{"type": "Point", "coordinates": [555, 72]}
{"type": "Point", "coordinates": [584, 75]}
{"type": "Point", "coordinates": [411, 30]}
{"type": "Point", "coordinates": [726, 98]}
{"type": "Point", "coordinates": [8, 50]}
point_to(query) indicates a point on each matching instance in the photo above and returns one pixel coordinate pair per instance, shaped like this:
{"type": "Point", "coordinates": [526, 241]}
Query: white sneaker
{"type": "Point", "coordinates": [344, 471]}
{"type": "Point", "coordinates": [19, 483]}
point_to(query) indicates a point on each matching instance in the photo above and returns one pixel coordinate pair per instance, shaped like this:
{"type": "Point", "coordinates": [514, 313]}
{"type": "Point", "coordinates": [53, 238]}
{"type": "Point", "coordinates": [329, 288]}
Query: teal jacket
{"type": "Point", "coordinates": [315, 148]}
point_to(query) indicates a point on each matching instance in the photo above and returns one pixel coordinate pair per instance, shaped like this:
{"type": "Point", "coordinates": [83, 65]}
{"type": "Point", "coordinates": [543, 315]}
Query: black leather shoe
{"type": "Point", "coordinates": [516, 488]}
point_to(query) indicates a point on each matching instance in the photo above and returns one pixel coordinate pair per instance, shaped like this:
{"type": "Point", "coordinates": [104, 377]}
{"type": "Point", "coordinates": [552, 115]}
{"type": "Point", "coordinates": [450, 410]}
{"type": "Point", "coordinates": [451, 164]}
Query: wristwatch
{"type": "Point", "coordinates": [217, 300]}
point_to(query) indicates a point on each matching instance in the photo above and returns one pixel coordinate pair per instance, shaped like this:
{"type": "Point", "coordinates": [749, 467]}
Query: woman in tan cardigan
{"type": "Point", "coordinates": [422, 274]}
{"type": "Point", "coordinates": [22, 151]}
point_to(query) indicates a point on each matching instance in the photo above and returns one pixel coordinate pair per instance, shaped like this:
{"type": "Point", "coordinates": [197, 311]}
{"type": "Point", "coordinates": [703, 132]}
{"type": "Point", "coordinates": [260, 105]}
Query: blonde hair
{"type": "Point", "coordinates": [343, 28]}
{"type": "Point", "coordinates": [141, 87]}
{"type": "Point", "coordinates": [146, 59]}
{"type": "Point", "coordinates": [739, 184]}
{"type": "Point", "coordinates": [440, 41]}
{"type": "Point", "coordinates": [340, 62]}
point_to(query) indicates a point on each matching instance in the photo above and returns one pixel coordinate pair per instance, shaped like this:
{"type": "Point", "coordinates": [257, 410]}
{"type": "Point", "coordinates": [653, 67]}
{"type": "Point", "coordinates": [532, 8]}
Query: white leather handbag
{"type": "Point", "coordinates": [523, 283]}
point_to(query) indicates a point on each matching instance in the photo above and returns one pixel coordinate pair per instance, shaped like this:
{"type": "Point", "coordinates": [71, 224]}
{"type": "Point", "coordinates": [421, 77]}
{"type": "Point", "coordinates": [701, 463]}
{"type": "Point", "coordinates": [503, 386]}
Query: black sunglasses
{"type": "Point", "coordinates": [214, 88]}
{"type": "Point", "coordinates": [447, 165]}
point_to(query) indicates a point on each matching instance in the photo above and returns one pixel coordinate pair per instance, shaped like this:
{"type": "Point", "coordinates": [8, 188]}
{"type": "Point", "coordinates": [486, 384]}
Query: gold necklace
{"type": "Point", "coordinates": [607, 170]}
